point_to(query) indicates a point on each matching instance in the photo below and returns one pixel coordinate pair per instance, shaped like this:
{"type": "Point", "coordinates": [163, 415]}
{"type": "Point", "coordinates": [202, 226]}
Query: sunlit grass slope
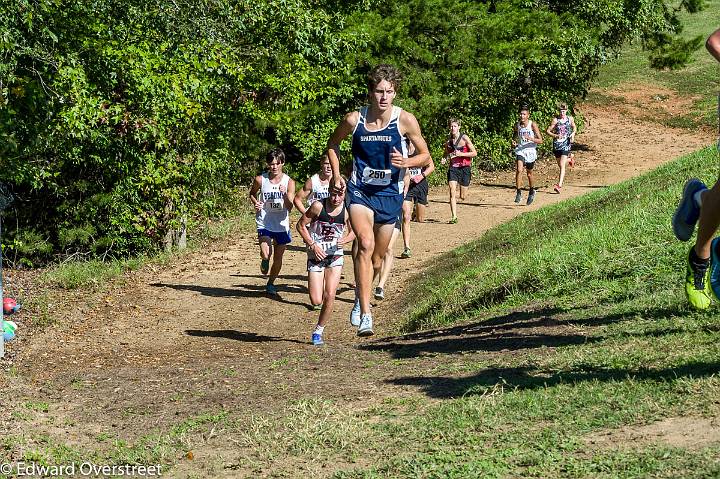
{"type": "Point", "coordinates": [610, 247]}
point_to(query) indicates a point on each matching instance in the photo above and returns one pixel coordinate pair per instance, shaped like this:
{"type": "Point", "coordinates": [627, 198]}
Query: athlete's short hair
{"type": "Point", "coordinates": [324, 158]}
{"type": "Point", "coordinates": [562, 106]}
{"type": "Point", "coordinates": [454, 120]}
{"type": "Point", "coordinates": [524, 108]}
{"type": "Point", "coordinates": [384, 72]}
{"type": "Point", "coordinates": [275, 154]}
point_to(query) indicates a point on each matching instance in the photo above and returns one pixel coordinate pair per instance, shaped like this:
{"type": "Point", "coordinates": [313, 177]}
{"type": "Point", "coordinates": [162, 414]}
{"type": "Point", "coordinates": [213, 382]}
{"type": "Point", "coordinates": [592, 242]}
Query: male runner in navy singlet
{"type": "Point", "coordinates": [375, 187]}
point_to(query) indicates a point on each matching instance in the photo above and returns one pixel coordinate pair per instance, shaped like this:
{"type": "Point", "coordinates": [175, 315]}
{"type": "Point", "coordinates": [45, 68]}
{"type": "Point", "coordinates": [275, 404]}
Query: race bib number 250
{"type": "Point", "coordinates": [372, 176]}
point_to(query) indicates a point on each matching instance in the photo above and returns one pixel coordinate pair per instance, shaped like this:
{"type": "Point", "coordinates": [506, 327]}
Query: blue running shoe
{"type": "Point", "coordinates": [271, 289]}
{"type": "Point", "coordinates": [317, 339]}
{"type": "Point", "coordinates": [264, 266]}
{"type": "Point", "coordinates": [355, 314]}
{"type": "Point", "coordinates": [715, 268]}
{"type": "Point", "coordinates": [687, 212]}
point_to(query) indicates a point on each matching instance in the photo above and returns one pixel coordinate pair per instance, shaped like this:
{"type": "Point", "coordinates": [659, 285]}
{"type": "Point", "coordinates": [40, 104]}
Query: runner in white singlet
{"type": "Point", "coordinates": [316, 187]}
{"type": "Point", "coordinates": [527, 138]}
{"type": "Point", "coordinates": [272, 195]}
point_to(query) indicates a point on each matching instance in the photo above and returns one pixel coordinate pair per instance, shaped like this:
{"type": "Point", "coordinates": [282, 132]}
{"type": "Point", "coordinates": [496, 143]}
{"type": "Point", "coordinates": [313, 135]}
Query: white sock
{"type": "Point", "coordinates": [697, 197]}
{"type": "Point", "coordinates": [319, 329]}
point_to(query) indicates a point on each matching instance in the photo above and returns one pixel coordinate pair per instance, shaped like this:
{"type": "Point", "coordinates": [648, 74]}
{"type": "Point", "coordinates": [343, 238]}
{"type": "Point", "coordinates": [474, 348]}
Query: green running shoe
{"type": "Point", "coordinates": [697, 285]}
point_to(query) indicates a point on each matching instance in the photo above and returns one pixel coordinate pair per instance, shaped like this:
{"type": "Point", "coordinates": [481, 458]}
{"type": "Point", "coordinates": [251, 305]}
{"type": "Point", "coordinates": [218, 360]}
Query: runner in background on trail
{"type": "Point", "coordinates": [562, 130]}
{"type": "Point", "coordinates": [700, 204]}
{"type": "Point", "coordinates": [384, 273]}
{"type": "Point", "coordinates": [379, 156]}
{"type": "Point", "coordinates": [316, 187]}
{"type": "Point", "coordinates": [416, 199]}
{"type": "Point", "coordinates": [272, 195]}
{"type": "Point", "coordinates": [323, 227]}
{"type": "Point", "coordinates": [527, 138]}
{"type": "Point", "coordinates": [459, 151]}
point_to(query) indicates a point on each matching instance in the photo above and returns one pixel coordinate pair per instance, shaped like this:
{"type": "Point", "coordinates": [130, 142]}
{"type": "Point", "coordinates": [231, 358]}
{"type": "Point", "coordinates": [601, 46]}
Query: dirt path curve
{"type": "Point", "coordinates": [200, 334]}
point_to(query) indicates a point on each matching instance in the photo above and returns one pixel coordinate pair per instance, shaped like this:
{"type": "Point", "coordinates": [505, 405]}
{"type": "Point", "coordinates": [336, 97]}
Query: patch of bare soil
{"type": "Point", "coordinates": [684, 432]}
{"type": "Point", "coordinates": [641, 99]}
{"type": "Point", "coordinates": [200, 335]}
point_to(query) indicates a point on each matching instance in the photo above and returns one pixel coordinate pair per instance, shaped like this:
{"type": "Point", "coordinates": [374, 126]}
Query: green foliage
{"type": "Point", "coordinates": [117, 119]}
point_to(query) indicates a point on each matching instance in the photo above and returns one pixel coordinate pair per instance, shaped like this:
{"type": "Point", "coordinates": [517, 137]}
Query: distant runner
{"type": "Point", "coordinates": [383, 273]}
{"type": "Point", "coordinates": [562, 130]}
{"type": "Point", "coordinates": [272, 196]}
{"type": "Point", "coordinates": [416, 199]}
{"type": "Point", "coordinates": [527, 138]}
{"type": "Point", "coordinates": [459, 151]}
{"type": "Point", "coordinates": [316, 187]}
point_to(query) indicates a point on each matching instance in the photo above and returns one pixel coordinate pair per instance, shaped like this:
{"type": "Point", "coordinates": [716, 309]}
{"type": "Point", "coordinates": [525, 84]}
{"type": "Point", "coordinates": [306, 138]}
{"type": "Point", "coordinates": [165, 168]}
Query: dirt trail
{"type": "Point", "coordinates": [201, 335]}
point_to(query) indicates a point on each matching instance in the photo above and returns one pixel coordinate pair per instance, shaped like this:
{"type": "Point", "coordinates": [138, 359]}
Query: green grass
{"type": "Point", "coordinates": [154, 449]}
{"type": "Point", "coordinates": [89, 274]}
{"type": "Point", "coordinates": [699, 79]}
{"type": "Point", "coordinates": [611, 248]}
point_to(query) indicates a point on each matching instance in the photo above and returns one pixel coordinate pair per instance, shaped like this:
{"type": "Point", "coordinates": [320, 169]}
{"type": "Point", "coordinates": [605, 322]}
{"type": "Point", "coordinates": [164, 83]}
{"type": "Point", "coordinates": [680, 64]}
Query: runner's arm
{"type": "Point", "coordinates": [429, 168]}
{"type": "Point", "coordinates": [343, 130]}
{"type": "Point", "coordinates": [538, 137]}
{"type": "Point", "coordinates": [713, 44]}
{"type": "Point", "coordinates": [411, 129]}
{"type": "Point", "coordinates": [574, 129]}
{"type": "Point", "coordinates": [310, 215]}
{"type": "Point", "coordinates": [350, 236]}
{"type": "Point", "coordinates": [302, 195]}
{"type": "Point", "coordinates": [289, 195]}
{"type": "Point", "coordinates": [252, 194]}
{"type": "Point", "coordinates": [472, 153]}
{"type": "Point", "coordinates": [550, 129]}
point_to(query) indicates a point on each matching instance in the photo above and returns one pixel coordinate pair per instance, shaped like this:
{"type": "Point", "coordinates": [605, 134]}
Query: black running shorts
{"type": "Point", "coordinates": [460, 174]}
{"type": "Point", "coordinates": [418, 192]}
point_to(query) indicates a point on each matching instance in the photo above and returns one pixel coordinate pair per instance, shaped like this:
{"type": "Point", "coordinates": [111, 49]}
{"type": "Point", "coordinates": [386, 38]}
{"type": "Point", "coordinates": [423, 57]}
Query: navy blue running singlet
{"type": "Point", "coordinates": [372, 171]}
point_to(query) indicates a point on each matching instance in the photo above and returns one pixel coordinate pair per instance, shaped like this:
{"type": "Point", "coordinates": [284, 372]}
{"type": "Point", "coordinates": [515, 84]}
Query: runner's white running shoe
{"type": "Point", "coordinates": [365, 328]}
{"type": "Point", "coordinates": [355, 314]}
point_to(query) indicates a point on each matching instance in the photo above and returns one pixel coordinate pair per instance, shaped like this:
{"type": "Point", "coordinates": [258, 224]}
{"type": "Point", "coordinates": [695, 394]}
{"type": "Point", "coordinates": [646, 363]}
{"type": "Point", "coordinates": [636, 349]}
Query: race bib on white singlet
{"type": "Point", "coordinates": [414, 171]}
{"type": "Point", "coordinates": [275, 206]}
{"type": "Point", "coordinates": [331, 248]}
{"type": "Point", "coordinates": [372, 176]}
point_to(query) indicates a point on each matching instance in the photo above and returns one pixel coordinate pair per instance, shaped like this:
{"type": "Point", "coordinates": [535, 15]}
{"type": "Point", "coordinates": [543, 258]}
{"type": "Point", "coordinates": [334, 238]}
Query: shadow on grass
{"type": "Point", "coordinates": [522, 378]}
{"type": "Point", "coordinates": [510, 332]}
{"type": "Point", "coordinates": [526, 330]}
{"type": "Point", "coordinates": [514, 331]}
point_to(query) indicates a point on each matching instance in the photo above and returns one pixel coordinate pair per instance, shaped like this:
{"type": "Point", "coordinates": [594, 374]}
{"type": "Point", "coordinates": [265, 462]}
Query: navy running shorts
{"type": "Point", "coordinates": [280, 237]}
{"type": "Point", "coordinates": [386, 209]}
